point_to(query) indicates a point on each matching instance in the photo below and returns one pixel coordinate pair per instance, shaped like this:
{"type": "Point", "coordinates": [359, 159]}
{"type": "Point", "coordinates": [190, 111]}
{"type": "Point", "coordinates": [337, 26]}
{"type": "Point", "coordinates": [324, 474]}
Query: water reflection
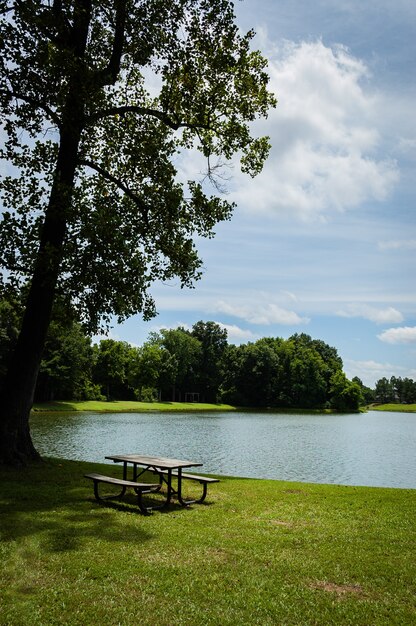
{"type": "Point", "coordinates": [376, 449]}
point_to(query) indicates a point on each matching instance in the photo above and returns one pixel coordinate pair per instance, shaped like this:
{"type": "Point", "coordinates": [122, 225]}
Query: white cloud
{"type": "Point", "coordinates": [405, 334]}
{"type": "Point", "coordinates": [238, 335]}
{"type": "Point", "coordinates": [261, 314]}
{"type": "Point", "coordinates": [114, 336]}
{"type": "Point", "coordinates": [109, 335]}
{"type": "Point", "coordinates": [398, 244]}
{"type": "Point", "coordinates": [371, 371]}
{"type": "Point", "coordinates": [407, 145]}
{"type": "Point", "coordinates": [157, 328]}
{"type": "Point", "coordinates": [380, 316]}
{"type": "Point", "coordinates": [324, 135]}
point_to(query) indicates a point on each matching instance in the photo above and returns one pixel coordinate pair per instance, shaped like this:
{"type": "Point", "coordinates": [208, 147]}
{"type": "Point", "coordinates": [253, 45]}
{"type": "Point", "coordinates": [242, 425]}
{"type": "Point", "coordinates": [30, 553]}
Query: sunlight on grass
{"type": "Point", "coordinates": [258, 552]}
{"type": "Point", "coordinates": [402, 408]}
{"type": "Point", "coordinates": [125, 406]}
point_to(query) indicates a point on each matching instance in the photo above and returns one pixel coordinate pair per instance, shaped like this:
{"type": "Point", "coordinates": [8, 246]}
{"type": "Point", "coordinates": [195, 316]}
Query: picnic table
{"type": "Point", "coordinates": [165, 469]}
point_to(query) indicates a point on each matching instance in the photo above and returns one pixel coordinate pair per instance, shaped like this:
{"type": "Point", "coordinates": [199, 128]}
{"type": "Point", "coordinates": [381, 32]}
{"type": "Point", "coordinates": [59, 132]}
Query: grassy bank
{"type": "Point", "coordinates": [400, 408]}
{"type": "Point", "coordinates": [258, 552]}
{"type": "Point", "coordinates": [126, 406]}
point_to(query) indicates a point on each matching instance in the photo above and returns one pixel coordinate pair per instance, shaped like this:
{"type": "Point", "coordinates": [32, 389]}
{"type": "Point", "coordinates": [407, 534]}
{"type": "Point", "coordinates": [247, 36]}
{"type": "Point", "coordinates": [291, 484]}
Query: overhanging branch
{"type": "Point", "coordinates": [109, 75]}
{"type": "Point", "coordinates": [163, 117]}
{"type": "Point", "coordinates": [116, 181]}
{"type": "Point", "coordinates": [39, 105]}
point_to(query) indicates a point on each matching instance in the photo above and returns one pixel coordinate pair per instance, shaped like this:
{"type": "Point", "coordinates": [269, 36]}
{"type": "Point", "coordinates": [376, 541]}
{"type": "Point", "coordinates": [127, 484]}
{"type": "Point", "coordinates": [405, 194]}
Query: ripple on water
{"type": "Point", "coordinates": [375, 448]}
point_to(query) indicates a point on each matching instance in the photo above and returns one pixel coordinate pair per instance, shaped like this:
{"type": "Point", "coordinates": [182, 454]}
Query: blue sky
{"type": "Point", "coordinates": [324, 240]}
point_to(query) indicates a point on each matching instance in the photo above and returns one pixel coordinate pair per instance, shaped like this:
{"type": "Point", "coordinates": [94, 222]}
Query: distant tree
{"type": "Point", "coordinates": [316, 363]}
{"type": "Point", "coordinates": [213, 340]}
{"type": "Point", "coordinates": [384, 390]}
{"type": "Point", "coordinates": [152, 369]}
{"type": "Point", "coordinates": [397, 389]}
{"type": "Point", "coordinates": [252, 373]}
{"type": "Point", "coordinates": [185, 353]}
{"type": "Point", "coordinates": [143, 370]}
{"type": "Point", "coordinates": [66, 366]}
{"type": "Point", "coordinates": [231, 364]}
{"type": "Point", "coordinates": [97, 98]}
{"type": "Point", "coordinates": [297, 372]}
{"type": "Point", "coordinates": [308, 372]}
{"type": "Point", "coordinates": [345, 395]}
{"type": "Point", "coordinates": [259, 373]}
{"type": "Point", "coordinates": [65, 370]}
{"type": "Point", "coordinates": [367, 393]}
{"type": "Point", "coordinates": [409, 391]}
{"type": "Point", "coordinates": [10, 320]}
{"type": "Point", "coordinates": [113, 360]}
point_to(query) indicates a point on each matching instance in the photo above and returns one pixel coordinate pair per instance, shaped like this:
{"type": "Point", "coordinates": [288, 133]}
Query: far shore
{"type": "Point", "coordinates": [399, 408]}
{"type": "Point", "coordinates": [127, 406]}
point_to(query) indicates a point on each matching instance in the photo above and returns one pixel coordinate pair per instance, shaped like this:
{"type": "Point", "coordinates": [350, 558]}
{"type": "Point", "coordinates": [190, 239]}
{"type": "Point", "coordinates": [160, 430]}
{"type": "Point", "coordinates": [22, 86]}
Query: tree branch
{"type": "Point", "coordinates": [32, 101]}
{"type": "Point", "coordinates": [80, 24]}
{"type": "Point", "coordinates": [116, 181]}
{"type": "Point", "coordinates": [163, 117]}
{"type": "Point", "coordinates": [108, 76]}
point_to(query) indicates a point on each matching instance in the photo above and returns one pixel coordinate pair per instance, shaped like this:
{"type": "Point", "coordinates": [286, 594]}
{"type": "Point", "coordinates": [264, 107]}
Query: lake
{"type": "Point", "coordinates": [374, 448]}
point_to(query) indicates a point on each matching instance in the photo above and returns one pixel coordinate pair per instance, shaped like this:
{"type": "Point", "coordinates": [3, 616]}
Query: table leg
{"type": "Point", "coordinates": [181, 499]}
{"type": "Point", "coordinates": [180, 485]}
{"type": "Point", "coordinates": [170, 488]}
{"type": "Point", "coordinates": [124, 489]}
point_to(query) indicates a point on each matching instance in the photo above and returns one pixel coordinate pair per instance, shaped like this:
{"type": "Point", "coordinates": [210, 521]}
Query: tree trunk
{"type": "Point", "coordinates": [16, 397]}
{"type": "Point", "coordinates": [18, 391]}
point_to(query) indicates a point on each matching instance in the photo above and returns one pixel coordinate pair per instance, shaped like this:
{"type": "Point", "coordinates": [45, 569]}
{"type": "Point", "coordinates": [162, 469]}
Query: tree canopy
{"type": "Point", "coordinates": [98, 101]}
{"type": "Point", "coordinates": [127, 86]}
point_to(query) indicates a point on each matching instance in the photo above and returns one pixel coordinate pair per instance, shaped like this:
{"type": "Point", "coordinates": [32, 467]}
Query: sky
{"type": "Point", "coordinates": [323, 241]}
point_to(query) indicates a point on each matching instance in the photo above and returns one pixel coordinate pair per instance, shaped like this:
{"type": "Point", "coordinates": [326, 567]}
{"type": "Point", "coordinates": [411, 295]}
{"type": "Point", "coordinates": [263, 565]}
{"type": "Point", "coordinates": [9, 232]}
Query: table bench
{"type": "Point", "coordinates": [203, 480]}
{"type": "Point", "coordinates": [139, 488]}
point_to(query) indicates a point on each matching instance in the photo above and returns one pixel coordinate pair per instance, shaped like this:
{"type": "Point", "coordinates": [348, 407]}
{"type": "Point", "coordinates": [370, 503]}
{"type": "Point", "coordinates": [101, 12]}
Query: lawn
{"type": "Point", "coordinates": [129, 406]}
{"type": "Point", "coordinates": [125, 406]}
{"type": "Point", "coordinates": [401, 408]}
{"type": "Point", "coordinates": [257, 552]}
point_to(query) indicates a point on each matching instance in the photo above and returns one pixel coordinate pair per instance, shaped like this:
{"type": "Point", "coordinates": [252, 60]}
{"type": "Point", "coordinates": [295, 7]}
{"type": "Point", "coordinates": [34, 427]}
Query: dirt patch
{"type": "Point", "coordinates": [338, 590]}
{"type": "Point", "coordinates": [279, 522]}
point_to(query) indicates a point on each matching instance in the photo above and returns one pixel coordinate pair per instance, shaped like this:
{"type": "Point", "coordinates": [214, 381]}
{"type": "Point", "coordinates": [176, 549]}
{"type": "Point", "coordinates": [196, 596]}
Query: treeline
{"type": "Point", "coordinates": [187, 365]}
{"type": "Point", "coordinates": [397, 389]}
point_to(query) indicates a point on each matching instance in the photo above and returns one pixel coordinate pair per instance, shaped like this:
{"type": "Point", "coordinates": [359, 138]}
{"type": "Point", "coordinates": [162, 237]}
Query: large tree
{"type": "Point", "coordinates": [98, 98]}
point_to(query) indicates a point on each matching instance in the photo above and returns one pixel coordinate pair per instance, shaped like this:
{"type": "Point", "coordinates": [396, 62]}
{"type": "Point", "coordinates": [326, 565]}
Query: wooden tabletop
{"type": "Point", "coordinates": [153, 461]}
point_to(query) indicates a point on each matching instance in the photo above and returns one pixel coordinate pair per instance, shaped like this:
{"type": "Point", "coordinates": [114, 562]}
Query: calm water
{"type": "Point", "coordinates": [374, 448]}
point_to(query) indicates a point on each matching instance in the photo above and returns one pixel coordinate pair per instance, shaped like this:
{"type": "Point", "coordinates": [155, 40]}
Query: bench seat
{"type": "Point", "coordinates": [203, 480]}
{"type": "Point", "coordinates": [139, 488]}
{"type": "Point", "coordinates": [198, 477]}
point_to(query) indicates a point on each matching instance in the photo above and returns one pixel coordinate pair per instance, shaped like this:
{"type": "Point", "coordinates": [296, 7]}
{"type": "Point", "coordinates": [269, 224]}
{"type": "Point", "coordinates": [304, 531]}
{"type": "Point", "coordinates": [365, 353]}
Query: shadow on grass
{"type": "Point", "coordinates": [52, 406]}
{"type": "Point", "coordinates": [52, 502]}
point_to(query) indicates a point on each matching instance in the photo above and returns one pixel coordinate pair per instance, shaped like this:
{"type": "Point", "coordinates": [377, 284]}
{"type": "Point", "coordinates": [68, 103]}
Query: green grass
{"type": "Point", "coordinates": [125, 406]}
{"type": "Point", "coordinates": [401, 408]}
{"type": "Point", "coordinates": [258, 552]}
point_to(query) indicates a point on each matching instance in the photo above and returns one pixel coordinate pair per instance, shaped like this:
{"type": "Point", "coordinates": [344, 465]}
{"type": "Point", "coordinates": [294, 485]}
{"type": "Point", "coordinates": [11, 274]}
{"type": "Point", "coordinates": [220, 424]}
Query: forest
{"type": "Point", "coordinates": [196, 365]}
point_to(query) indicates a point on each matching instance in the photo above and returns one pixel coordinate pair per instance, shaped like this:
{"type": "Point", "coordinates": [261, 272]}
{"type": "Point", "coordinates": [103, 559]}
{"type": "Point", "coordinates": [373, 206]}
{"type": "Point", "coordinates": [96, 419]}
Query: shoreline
{"type": "Point", "coordinates": [130, 406]}
{"type": "Point", "coordinates": [302, 553]}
